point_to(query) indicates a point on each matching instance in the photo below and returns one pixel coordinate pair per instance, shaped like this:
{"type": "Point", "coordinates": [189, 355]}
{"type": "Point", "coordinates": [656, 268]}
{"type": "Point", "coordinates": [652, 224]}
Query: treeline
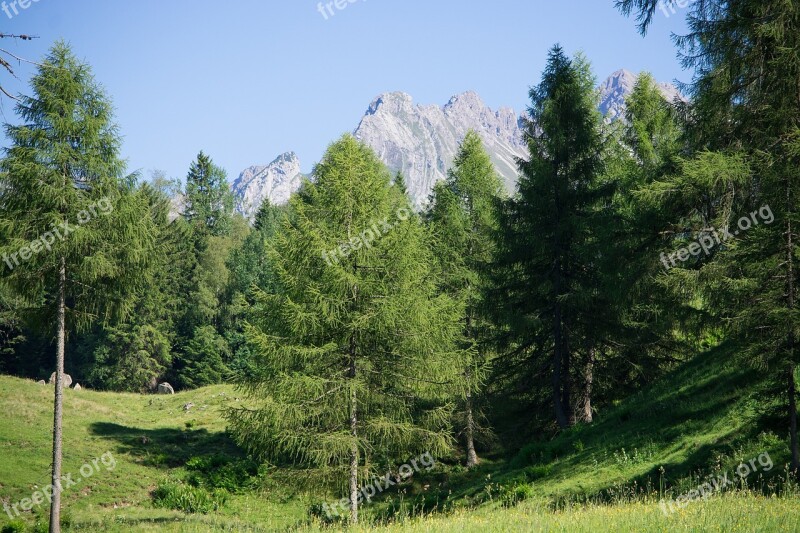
{"type": "Point", "coordinates": [170, 310]}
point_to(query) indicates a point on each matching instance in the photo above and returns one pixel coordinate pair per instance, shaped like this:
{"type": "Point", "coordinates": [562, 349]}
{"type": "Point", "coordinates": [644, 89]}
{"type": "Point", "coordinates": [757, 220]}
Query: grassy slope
{"type": "Point", "coordinates": [149, 436]}
{"type": "Point", "coordinates": [709, 412]}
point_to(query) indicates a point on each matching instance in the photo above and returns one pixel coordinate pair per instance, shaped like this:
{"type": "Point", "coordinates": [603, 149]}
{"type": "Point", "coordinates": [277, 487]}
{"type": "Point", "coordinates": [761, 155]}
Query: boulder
{"type": "Point", "coordinates": [41, 382]}
{"type": "Point", "coordinates": [66, 380]}
{"type": "Point", "coordinates": [165, 388]}
{"type": "Point", "coordinates": [77, 386]}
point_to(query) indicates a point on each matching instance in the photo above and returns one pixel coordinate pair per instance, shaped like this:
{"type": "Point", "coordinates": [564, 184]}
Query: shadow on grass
{"type": "Point", "coordinates": [169, 447]}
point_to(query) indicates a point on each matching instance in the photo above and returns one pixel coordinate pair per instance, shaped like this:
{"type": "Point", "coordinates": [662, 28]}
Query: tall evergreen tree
{"type": "Point", "coordinates": [79, 237]}
{"type": "Point", "coordinates": [463, 218]}
{"type": "Point", "coordinates": [354, 352]}
{"type": "Point", "coordinates": [552, 233]}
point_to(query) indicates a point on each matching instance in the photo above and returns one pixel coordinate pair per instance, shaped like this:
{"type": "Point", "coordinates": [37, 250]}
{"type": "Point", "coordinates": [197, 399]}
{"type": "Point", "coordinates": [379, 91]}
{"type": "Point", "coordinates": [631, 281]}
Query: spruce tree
{"type": "Point", "coordinates": [354, 350]}
{"type": "Point", "coordinates": [209, 201]}
{"type": "Point", "coordinates": [552, 234]}
{"type": "Point", "coordinates": [79, 237]}
{"type": "Point", "coordinates": [463, 218]}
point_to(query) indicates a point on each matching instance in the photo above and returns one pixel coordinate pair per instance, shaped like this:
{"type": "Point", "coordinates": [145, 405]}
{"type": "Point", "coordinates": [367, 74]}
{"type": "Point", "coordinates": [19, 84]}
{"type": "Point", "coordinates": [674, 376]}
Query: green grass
{"type": "Point", "coordinates": [704, 419]}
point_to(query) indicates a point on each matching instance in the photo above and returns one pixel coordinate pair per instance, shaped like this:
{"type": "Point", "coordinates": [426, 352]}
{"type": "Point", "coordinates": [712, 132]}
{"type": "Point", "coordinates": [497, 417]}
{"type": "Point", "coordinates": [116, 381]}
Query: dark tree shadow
{"type": "Point", "coordinates": [169, 447]}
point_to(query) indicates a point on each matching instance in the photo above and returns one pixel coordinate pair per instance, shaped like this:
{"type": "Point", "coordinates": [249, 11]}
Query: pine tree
{"type": "Point", "coordinates": [354, 352]}
{"type": "Point", "coordinates": [551, 234]}
{"type": "Point", "coordinates": [463, 218]}
{"type": "Point", "coordinates": [79, 237]}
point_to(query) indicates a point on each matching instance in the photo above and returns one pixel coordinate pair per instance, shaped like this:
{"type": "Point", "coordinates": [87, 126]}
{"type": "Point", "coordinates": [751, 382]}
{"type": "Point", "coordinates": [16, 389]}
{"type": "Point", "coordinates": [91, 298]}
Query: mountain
{"type": "Point", "coordinates": [276, 181]}
{"type": "Point", "coordinates": [421, 141]}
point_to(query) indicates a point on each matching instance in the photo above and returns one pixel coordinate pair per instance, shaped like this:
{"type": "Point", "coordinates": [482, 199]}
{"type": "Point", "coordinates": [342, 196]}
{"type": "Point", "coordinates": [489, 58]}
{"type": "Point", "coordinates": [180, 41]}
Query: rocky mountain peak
{"type": "Point", "coordinates": [275, 181]}
{"type": "Point", "coordinates": [421, 141]}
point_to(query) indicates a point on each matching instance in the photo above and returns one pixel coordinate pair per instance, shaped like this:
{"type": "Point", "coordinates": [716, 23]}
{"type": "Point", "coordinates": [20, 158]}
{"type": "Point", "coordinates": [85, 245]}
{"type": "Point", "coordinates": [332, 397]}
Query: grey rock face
{"type": "Point", "coordinates": [422, 141]}
{"type": "Point", "coordinates": [276, 182]}
{"type": "Point", "coordinates": [165, 388]}
{"type": "Point", "coordinates": [77, 387]}
{"type": "Point", "coordinates": [66, 379]}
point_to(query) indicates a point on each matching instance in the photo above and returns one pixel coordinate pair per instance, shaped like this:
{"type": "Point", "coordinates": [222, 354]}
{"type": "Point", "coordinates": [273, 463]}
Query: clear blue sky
{"type": "Point", "coordinates": [246, 80]}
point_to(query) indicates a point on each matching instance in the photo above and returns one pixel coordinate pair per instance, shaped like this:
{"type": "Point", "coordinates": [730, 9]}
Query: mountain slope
{"type": "Point", "coordinates": [422, 141]}
{"type": "Point", "coordinates": [275, 181]}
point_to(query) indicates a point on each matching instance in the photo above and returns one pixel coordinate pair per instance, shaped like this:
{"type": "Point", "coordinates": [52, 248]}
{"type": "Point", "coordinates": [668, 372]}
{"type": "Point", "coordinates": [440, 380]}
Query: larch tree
{"type": "Point", "coordinates": [463, 217]}
{"type": "Point", "coordinates": [746, 116]}
{"type": "Point", "coordinates": [79, 236]}
{"type": "Point", "coordinates": [354, 349]}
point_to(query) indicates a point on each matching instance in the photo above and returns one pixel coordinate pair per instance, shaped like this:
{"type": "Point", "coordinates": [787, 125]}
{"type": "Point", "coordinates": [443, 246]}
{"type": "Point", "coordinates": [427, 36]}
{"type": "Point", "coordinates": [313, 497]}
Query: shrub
{"type": "Point", "coordinates": [221, 472]}
{"type": "Point", "coordinates": [17, 526]}
{"type": "Point", "coordinates": [182, 497]}
{"type": "Point", "coordinates": [511, 495]}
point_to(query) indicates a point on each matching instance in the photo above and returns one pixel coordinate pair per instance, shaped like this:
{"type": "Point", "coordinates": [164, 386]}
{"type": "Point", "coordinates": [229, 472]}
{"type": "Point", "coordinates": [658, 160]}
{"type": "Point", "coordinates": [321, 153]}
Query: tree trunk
{"type": "Point", "coordinates": [792, 340]}
{"type": "Point", "coordinates": [793, 420]}
{"type": "Point", "coordinates": [354, 434]}
{"type": "Point", "coordinates": [588, 381]}
{"type": "Point", "coordinates": [566, 383]}
{"type": "Point", "coordinates": [472, 456]}
{"type": "Point", "coordinates": [558, 359]}
{"type": "Point", "coordinates": [353, 459]}
{"type": "Point", "coordinates": [55, 506]}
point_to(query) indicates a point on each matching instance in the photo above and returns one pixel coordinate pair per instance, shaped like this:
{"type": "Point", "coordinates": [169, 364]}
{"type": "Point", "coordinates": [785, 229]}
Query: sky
{"type": "Point", "coordinates": [247, 80]}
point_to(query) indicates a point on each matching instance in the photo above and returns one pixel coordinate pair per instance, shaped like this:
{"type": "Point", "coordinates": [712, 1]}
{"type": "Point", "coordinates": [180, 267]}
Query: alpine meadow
{"type": "Point", "coordinates": [582, 316]}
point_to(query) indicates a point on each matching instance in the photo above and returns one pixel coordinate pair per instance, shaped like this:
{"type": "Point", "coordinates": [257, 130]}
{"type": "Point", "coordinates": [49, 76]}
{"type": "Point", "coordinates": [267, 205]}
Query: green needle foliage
{"type": "Point", "coordinates": [355, 353]}
{"type": "Point", "coordinates": [209, 201]}
{"type": "Point", "coordinates": [553, 241]}
{"type": "Point", "coordinates": [746, 126]}
{"type": "Point", "coordinates": [464, 220]}
{"type": "Point", "coordinates": [78, 236]}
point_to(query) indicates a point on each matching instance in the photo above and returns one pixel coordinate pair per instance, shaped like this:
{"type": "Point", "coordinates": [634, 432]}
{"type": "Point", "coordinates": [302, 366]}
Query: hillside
{"type": "Point", "coordinates": [707, 416]}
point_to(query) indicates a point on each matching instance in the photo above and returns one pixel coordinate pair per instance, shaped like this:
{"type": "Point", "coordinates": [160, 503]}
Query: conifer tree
{"type": "Point", "coordinates": [79, 237]}
{"type": "Point", "coordinates": [746, 109]}
{"type": "Point", "coordinates": [209, 201]}
{"type": "Point", "coordinates": [354, 352]}
{"type": "Point", "coordinates": [463, 218]}
{"type": "Point", "coordinates": [552, 234]}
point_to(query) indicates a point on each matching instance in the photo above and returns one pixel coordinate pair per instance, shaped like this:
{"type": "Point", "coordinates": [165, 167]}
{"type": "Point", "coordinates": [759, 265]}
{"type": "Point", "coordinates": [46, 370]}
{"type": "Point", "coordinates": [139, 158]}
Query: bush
{"type": "Point", "coordinates": [221, 472]}
{"type": "Point", "coordinates": [182, 497]}
{"type": "Point", "coordinates": [532, 473]}
{"type": "Point", "coordinates": [17, 526]}
{"type": "Point", "coordinates": [511, 495]}
{"type": "Point", "coordinates": [316, 511]}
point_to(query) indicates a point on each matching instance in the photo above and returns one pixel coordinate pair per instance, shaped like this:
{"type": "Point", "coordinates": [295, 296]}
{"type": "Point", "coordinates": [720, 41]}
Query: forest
{"type": "Point", "coordinates": [359, 332]}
